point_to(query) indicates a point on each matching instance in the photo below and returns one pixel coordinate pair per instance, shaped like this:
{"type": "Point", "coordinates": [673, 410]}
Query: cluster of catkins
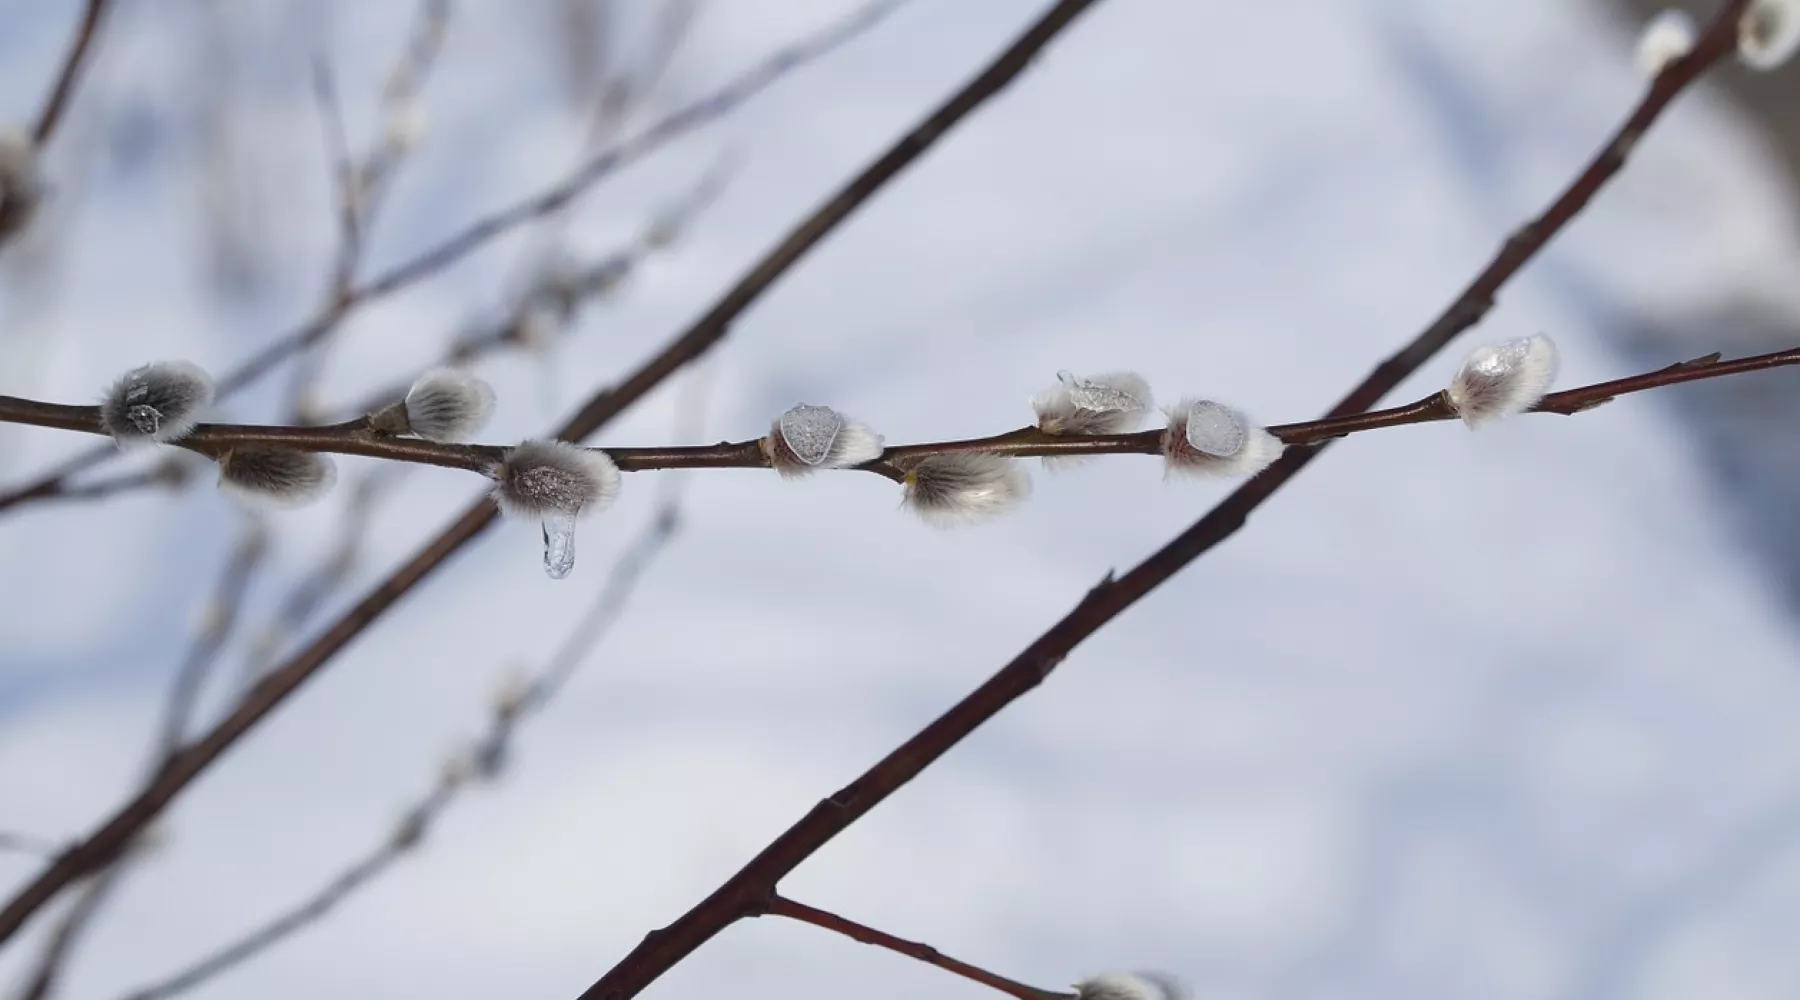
{"type": "Point", "coordinates": [555, 482]}
{"type": "Point", "coordinates": [1768, 35]}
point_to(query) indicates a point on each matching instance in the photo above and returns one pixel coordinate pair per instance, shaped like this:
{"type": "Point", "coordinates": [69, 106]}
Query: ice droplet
{"type": "Point", "coordinates": [1215, 429]}
{"type": "Point", "coordinates": [810, 431]}
{"type": "Point", "coordinates": [559, 545]}
{"type": "Point", "coordinates": [1090, 395]}
{"type": "Point", "coordinates": [147, 419]}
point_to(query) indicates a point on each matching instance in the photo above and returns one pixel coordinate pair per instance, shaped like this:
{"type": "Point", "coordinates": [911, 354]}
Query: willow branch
{"type": "Point", "coordinates": [356, 437]}
{"type": "Point", "coordinates": [49, 966]}
{"type": "Point", "coordinates": [781, 906]}
{"type": "Point", "coordinates": [677, 124]}
{"type": "Point", "coordinates": [63, 90]}
{"type": "Point", "coordinates": [492, 749]}
{"type": "Point", "coordinates": [748, 891]}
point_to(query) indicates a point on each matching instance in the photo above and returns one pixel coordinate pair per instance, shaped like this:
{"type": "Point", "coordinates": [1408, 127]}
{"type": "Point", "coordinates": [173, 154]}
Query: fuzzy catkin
{"type": "Point", "coordinates": [158, 402]}
{"type": "Point", "coordinates": [542, 478]}
{"type": "Point", "coordinates": [963, 487]}
{"type": "Point", "coordinates": [265, 475]}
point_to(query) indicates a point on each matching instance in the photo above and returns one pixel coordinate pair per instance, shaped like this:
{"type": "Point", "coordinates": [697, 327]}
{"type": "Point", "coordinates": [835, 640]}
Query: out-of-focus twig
{"type": "Point", "coordinates": [678, 123]}
{"type": "Point", "coordinates": [94, 893]}
{"type": "Point", "coordinates": [28, 843]}
{"type": "Point", "coordinates": [69, 72]}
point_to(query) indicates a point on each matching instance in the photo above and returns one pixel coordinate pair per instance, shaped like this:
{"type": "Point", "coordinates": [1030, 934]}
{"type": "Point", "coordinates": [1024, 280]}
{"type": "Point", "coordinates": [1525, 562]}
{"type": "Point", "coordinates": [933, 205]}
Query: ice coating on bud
{"type": "Point", "coordinates": [1666, 37]}
{"type": "Point", "coordinates": [1131, 986]}
{"type": "Point", "coordinates": [1499, 380]}
{"type": "Point", "coordinates": [21, 185]}
{"type": "Point", "coordinates": [962, 487]}
{"type": "Point", "coordinates": [540, 478]}
{"type": "Point", "coordinates": [807, 437]}
{"type": "Point", "coordinates": [1211, 439]}
{"type": "Point", "coordinates": [448, 404]}
{"type": "Point", "coordinates": [272, 476]}
{"type": "Point", "coordinates": [1769, 33]}
{"type": "Point", "coordinates": [1098, 404]}
{"type": "Point", "coordinates": [156, 402]}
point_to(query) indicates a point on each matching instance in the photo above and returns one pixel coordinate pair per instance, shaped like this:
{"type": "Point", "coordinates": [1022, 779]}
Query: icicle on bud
{"type": "Point", "coordinates": [1212, 439]}
{"type": "Point", "coordinates": [1497, 381]}
{"type": "Point", "coordinates": [1666, 37]}
{"type": "Point", "coordinates": [1131, 986]}
{"type": "Point", "coordinates": [806, 438]}
{"type": "Point", "coordinates": [21, 184]}
{"type": "Point", "coordinates": [555, 483]}
{"type": "Point", "coordinates": [272, 476]}
{"type": "Point", "coordinates": [155, 402]}
{"type": "Point", "coordinates": [1103, 404]}
{"type": "Point", "coordinates": [1769, 33]}
{"type": "Point", "coordinates": [961, 487]}
{"type": "Point", "coordinates": [444, 404]}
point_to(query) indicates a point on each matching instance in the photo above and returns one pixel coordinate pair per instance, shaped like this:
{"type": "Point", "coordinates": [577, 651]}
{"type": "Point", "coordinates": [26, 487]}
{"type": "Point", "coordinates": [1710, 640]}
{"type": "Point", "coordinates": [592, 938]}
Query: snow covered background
{"type": "Point", "coordinates": [1506, 715]}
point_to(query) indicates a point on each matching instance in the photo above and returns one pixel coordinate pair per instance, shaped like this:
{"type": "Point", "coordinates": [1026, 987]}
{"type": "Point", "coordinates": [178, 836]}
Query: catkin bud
{"type": "Point", "coordinates": [542, 479]}
{"type": "Point", "coordinates": [1497, 381]}
{"type": "Point", "coordinates": [156, 402]}
{"type": "Point", "coordinates": [21, 185]}
{"type": "Point", "coordinates": [447, 404]}
{"type": "Point", "coordinates": [806, 438]}
{"type": "Point", "coordinates": [1102, 404]}
{"type": "Point", "coordinates": [1211, 439]}
{"type": "Point", "coordinates": [1666, 37]}
{"type": "Point", "coordinates": [960, 487]}
{"type": "Point", "coordinates": [272, 476]}
{"type": "Point", "coordinates": [1769, 33]}
{"type": "Point", "coordinates": [1131, 986]}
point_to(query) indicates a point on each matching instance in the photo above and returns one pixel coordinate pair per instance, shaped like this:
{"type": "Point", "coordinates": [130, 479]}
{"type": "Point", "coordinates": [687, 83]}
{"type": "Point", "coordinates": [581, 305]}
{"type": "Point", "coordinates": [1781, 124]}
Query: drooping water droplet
{"type": "Point", "coordinates": [1215, 429]}
{"type": "Point", "coordinates": [559, 545]}
{"type": "Point", "coordinates": [810, 431]}
{"type": "Point", "coordinates": [1087, 394]}
{"type": "Point", "coordinates": [147, 419]}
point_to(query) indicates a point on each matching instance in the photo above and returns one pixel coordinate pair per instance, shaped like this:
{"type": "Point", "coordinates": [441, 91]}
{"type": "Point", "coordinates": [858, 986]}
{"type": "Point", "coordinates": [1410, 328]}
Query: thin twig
{"type": "Point", "coordinates": [491, 750]}
{"type": "Point", "coordinates": [781, 906]}
{"type": "Point", "coordinates": [117, 831]}
{"type": "Point", "coordinates": [356, 437]}
{"type": "Point", "coordinates": [677, 124]}
{"type": "Point", "coordinates": [63, 90]}
{"type": "Point", "coordinates": [67, 934]}
{"type": "Point", "coordinates": [749, 890]}
{"type": "Point", "coordinates": [220, 617]}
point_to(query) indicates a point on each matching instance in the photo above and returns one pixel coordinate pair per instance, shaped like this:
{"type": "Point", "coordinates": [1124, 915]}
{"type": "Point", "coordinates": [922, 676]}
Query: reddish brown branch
{"type": "Point", "coordinates": [116, 832]}
{"type": "Point", "coordinates": [781, 906]}
{"type": "Point", "coordinates": [356, 438]}
{"type": "Point", "coordinates": [747, 892]}
{"type": "Point", "coordinates": [63, 90]}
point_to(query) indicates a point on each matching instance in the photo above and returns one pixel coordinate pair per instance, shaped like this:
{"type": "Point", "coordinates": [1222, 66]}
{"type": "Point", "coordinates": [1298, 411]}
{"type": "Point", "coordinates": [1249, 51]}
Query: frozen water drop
{"type": "Point", "coordinates": [1087, 394]}
{"type": "Point", "coordinates": [559, 545]}
{"type": "Point", "coordinates": [1215, 429]}
{"type": "Point", "coordinates": [147, 419]}
{"type": "Point", "coordinates": [810, 431]}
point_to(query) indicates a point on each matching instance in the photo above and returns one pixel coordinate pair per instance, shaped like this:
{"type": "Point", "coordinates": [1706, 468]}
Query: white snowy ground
{"type": "Point", "coordinates": [1484, 716]}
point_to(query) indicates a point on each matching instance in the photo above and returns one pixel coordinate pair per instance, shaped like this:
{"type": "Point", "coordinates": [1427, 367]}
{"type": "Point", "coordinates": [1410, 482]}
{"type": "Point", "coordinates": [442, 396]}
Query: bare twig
{"type": "Point", "coordinates": [682, 121]}
{"type": "Point", "coordinates": [67, 934]}
{"type": "Point", "coordinates": [112, 836]}
{"type": "Point", "coordinates": [781, 906]}
{"type": "Point", "coordinates": [492, 748]}
{"type": "Point", "coordinates": [63, 90]}
{"type": "Point", "coordinates": [356, 437]}
{"type": "Point", "coordinates": [215, 628]}
{"type": "Point", "coordinates": [750, 890]}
